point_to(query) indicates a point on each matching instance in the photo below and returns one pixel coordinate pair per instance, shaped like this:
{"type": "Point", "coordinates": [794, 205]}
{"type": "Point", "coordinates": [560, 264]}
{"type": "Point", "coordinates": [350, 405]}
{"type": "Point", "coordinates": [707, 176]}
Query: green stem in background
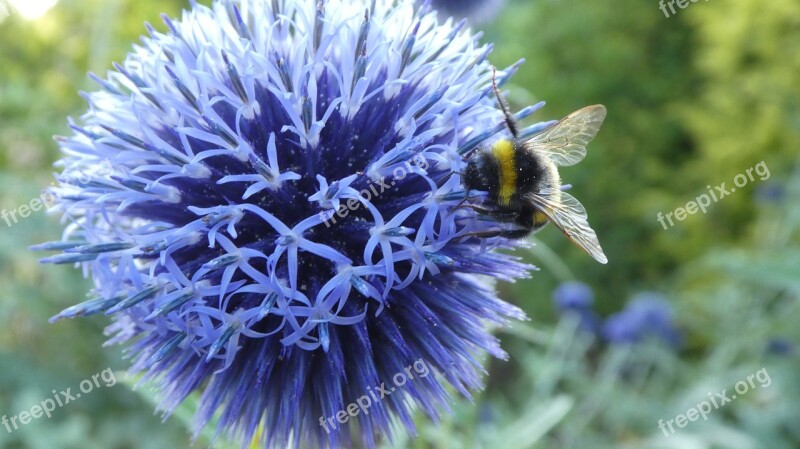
{"type": "Point", "coordinates": [550, 261]}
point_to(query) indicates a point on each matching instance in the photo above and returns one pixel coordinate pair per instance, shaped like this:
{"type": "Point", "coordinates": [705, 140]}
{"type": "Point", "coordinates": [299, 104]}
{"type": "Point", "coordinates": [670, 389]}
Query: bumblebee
{"type": "Point", "coordinates": [522, 180]}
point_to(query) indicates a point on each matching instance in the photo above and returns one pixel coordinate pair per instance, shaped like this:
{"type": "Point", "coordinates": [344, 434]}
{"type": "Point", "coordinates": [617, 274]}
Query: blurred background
{"type": "Point", "coordinates": [695, 98]}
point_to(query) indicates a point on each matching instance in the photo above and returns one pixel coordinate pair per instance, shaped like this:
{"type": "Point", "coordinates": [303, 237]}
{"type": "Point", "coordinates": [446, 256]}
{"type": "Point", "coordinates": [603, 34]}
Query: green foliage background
{"type": "Point", "coordinates": [693, 100]}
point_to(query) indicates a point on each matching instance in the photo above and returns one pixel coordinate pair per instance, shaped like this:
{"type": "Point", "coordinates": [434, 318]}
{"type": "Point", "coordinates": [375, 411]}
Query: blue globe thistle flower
{"type": "Point", "coordinates": [267, 199]}
{"type": "Point", "coordinates": [647, 315]}
{"type": "Point", "coordinates": [573, 296]}
{"type": "Point", "coordinates": [577, 298]}
{"type": "Point", "coordinates": [781, 346]}
{"type": "Point", "coordinates": [772, 192]}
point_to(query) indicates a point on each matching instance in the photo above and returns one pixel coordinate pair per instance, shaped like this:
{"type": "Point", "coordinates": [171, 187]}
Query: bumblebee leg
{"type": "Point", "coordinates": [505, 217]}
{"type": "Point", "coordinates": [466, 197]}
{"type": "Point", "coordinates": [477, 209]}
{"type": "Point", "coordinates": [511, 234]}
{"type": "Point", "coordinates": [481, 235]}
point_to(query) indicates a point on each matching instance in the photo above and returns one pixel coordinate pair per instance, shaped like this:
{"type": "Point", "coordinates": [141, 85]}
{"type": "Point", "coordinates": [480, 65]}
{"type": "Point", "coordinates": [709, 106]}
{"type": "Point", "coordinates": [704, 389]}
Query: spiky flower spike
{"type": "Point", "coordinates": [267, 198]}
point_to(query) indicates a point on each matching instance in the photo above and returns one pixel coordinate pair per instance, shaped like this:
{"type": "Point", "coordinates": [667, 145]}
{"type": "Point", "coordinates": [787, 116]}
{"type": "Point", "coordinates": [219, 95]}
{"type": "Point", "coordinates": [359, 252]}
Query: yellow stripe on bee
{"type": "Point", "coordinates": [539, 218]}
{"type": "Point", "coordinates": [503, 151]}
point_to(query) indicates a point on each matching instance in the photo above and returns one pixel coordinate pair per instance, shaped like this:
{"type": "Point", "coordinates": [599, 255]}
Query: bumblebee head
{"type": "Point", "coordinates": [482, 173]}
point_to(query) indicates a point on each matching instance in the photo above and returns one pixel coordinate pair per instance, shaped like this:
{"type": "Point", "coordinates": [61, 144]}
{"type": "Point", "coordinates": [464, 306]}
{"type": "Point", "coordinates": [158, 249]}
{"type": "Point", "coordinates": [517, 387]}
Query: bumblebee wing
{"type": "Point", "coordinates": [565, 142]}
{"type": "Point", "coordinates": [569, 215]}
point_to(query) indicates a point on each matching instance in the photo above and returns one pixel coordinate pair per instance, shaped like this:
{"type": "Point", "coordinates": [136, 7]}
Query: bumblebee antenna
{"type": "Point", "coordinates": [510, 123]}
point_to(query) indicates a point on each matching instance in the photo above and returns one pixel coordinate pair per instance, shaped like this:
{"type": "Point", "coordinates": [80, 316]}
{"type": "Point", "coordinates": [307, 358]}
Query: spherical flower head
{"type": "Point", "coordinates": [770, 193]}
{"type": "Point", "coordinates": [573, 296]}
{"type": "Point", "coordinates": [576, 299]}
{"type": "Point", "coordinates": [647, 315]}
{"type": "Point", "coordinates": [781, 346]}
{"type": "Point", "coordinates": [267, 197]}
